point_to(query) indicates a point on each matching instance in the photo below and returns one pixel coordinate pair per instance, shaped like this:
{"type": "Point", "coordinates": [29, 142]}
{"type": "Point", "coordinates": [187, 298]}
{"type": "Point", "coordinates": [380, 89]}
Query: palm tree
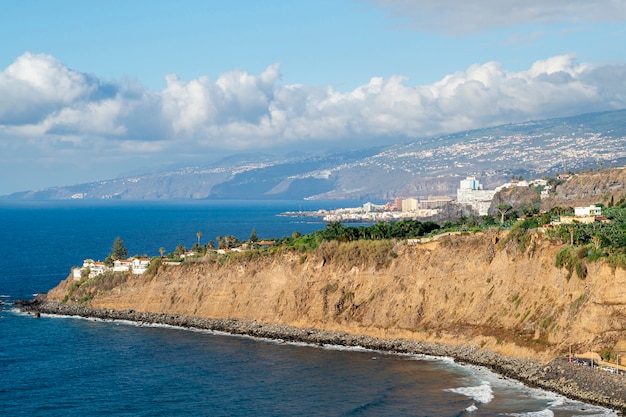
{"type": "Point", "coordinates": [161, 251]}
{"type": "Point", "coordinates": [199, 234]}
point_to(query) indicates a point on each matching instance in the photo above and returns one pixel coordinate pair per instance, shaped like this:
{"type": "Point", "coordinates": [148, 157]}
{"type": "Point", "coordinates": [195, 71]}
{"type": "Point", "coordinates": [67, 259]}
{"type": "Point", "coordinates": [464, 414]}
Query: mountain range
{"type": "Point", "coordinates": [425, 167]}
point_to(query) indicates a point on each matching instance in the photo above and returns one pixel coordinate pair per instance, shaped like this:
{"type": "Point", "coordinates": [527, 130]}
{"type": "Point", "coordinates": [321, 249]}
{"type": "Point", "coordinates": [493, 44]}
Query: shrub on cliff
{"type": "Point", "coordinates": [153, 267]}
{"type": "Point", "coordinates": [376, 253]}
{"type": "Point", "coordinates": [519, 236]}
{"type": "Point", "coordinates": [571, 258]}
{"type": "Point", "coordinates": [84, 290]}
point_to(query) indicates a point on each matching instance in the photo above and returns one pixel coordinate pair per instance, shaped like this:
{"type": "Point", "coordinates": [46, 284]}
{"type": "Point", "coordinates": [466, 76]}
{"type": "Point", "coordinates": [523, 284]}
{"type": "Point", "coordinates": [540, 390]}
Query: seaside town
{"type": "Point", "coordinates": [470, 193]}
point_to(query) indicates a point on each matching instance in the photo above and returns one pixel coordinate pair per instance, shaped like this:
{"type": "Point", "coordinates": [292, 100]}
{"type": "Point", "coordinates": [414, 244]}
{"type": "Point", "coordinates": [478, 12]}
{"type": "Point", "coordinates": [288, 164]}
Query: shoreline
{"type": "Point", "coordinates": [580, 383]}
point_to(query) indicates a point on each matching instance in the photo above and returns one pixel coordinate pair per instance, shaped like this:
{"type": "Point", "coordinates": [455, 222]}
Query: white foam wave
{"type": "Point", "coordinates": [482, 393]}
{"type": "Point", "coordinates": [542, 413]}
{"type": "Point", "coordinates": [4, 296]}
{"type": "Point", "coordinates": [471, 408]}
{"type": "Point", "coordinates": [586, 410]}
{"type": "Point", "coordinates": [421, 357]}
{"type": "Point", "coordinates": [347, 348]}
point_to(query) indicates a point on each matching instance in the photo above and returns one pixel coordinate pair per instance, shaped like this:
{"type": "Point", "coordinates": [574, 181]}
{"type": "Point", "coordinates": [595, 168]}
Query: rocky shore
{"type": "Point", "coordinates": [569, 379]}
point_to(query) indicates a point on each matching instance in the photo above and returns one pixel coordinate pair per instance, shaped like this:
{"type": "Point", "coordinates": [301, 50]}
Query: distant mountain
{"type": "Point", "coordinates": [428, 166]}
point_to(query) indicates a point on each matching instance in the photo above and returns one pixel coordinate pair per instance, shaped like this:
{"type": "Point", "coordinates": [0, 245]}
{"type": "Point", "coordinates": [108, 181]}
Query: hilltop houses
{"type": "Point", "coordinates": [137, 266]}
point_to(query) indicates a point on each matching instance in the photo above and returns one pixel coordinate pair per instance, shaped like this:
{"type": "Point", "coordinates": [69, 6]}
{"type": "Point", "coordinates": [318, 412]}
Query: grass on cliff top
{"type": "Point", "coordinates": [86, 289]}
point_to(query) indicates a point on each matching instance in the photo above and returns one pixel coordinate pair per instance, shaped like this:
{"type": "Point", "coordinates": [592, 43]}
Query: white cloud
{"type": "Point", "coordinates": [236, 97]}
{"type": "Point", "coordinates": [242, 111]}
{"type": "Point", "coordinates": [35, 85]}
{"type": "Point", "coordinates": [455, 17]}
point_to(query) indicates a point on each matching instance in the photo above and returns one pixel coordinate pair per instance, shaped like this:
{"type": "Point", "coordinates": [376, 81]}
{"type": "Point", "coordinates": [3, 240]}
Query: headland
{"type": "Point", "coordinates": [482, 298]}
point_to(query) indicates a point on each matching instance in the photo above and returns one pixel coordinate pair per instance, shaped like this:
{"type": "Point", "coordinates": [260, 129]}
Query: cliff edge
{"type": "Point", "coordinates": [476, 289]}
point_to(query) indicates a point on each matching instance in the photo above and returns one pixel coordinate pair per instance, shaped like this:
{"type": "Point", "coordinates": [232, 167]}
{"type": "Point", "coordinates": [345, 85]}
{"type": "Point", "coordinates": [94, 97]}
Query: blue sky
{"type": "Point", "coordinates": [89, 90]}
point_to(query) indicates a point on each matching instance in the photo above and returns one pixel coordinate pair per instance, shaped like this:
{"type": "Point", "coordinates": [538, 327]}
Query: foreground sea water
{"type": "Point", "coordinates": [60, 366]}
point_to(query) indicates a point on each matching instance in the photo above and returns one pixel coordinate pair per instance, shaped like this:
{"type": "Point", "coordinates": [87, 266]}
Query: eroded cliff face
{"type": "Point", "coordinates": [458, 290]}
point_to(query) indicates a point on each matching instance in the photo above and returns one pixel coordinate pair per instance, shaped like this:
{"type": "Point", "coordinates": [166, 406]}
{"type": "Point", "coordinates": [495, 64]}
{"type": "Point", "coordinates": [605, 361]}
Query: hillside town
{"type": "Point", "coordinates": [470, 193]}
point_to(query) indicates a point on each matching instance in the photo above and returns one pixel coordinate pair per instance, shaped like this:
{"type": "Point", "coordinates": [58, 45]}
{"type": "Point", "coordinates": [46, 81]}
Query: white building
{"type": "Point", "coordinates": [410, 204]}
{"type": "Point", "coordinates": [135, 265]}
{"type": "Point", "coordinates": [471, 193]}
{"type": "Point", "coordinates": [122, 265]}
{"type": "Point", "coordinates": [587, 211]}
{"type": "Point", "coordinates": [470, 183]}
{"type": "Point", "coordinates": [139, 265]}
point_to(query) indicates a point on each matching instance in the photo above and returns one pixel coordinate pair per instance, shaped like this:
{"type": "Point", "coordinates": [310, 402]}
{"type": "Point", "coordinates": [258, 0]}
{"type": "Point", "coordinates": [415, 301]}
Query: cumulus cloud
{"type": "Point", "coordinates": [235, 97]}
{"type": "Point", "coordinates": [454, 17]}
{"type": "Point", "coordinates": [36, 85]}
{"type": "Point", "coordinates": [51, 104]}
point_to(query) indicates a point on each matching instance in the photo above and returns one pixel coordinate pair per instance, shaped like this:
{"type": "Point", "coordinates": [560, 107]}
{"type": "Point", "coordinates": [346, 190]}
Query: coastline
{"type": "Point", "coordinates": [576, 382]}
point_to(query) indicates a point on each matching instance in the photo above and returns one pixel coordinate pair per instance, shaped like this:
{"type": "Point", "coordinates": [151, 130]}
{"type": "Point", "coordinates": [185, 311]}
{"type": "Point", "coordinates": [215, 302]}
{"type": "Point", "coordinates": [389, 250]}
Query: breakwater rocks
{"type": "Point", "coordinates": [567, 378]}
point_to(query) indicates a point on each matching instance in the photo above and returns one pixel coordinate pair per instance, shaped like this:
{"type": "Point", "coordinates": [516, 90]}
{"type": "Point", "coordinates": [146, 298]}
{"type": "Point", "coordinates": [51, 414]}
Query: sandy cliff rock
{"type": "Point", "coordinates": [472, 289]}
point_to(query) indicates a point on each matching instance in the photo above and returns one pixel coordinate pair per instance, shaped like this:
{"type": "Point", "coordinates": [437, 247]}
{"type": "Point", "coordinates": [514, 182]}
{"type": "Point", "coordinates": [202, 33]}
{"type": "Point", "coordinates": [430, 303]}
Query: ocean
{"type": "Point", "coordinates": [62, 366]}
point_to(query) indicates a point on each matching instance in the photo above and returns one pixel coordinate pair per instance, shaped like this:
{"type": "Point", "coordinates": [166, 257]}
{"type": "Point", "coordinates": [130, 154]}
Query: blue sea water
{"type": "Point", "coordinates": [58, 366]}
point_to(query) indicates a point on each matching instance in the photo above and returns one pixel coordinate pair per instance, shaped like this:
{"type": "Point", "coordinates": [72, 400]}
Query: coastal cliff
{"type": "Point", "coordinates": [485, 298]}
{"type": "Point", "coordinates": [482, 289]}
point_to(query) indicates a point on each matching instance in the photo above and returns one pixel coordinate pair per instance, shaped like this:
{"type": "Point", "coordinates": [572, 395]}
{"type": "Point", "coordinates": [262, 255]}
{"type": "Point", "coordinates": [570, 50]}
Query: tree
{"type": "Point", "coordinates": [253, 236]}
{"type": "Point", "coordinates": [332, 231]}
{"type": "Point", "coordinates": [199, 235]}
{"type": "Point", "coordinates": [230, 241]}
{"type": "Point", "coordinates": [180, 249]}
{"type": "Point", "coordinates": [118, 251]}
{"type": "Point", "coordinates": [162, 251]}
{"type": "Point", "coordinates": [503, 209]}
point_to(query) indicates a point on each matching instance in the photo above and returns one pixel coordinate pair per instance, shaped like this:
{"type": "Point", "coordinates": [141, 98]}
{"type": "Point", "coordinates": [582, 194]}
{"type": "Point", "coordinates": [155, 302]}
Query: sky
{"type": "Point", "coordinates": [93, 90]}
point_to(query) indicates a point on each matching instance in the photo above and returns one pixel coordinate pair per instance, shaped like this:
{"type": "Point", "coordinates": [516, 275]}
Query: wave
{"type": "Point", "coordinates": [432, 358]}
{"type": "Point", "coordinates": [542, 413]}
{"type": "Point", "coordinates": [481, 394]}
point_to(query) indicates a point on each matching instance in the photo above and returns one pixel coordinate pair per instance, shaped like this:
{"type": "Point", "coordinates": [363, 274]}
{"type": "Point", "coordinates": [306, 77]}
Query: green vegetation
{"type": "Point", "coordinates": [519, 234]}
{"type": "Point", "coordinates": [85, 290]}
{"type": "Point", "coordinates": [118, 251]}
{"type": "Point", "coordinates": [571, 258]}
{"type": "Point", "coordinates": [357, 253]}
{"type": "Point", "coordinates": [593, 241]}
{"type": "Point", "coordinates": [577, 303]}
{"type": "Point", "coordinates": [335, 231]}
{"type": "Point", "coordinates": [375, 245]}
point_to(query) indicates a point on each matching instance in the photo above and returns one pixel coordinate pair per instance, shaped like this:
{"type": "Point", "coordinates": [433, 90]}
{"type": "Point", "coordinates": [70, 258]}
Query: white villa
{"type": "Point", "coordinates": [592, 210]}
{"type": "Point", "coordinates": [589, 214]}
{"type": "Point", "coordinates": [135, 265]}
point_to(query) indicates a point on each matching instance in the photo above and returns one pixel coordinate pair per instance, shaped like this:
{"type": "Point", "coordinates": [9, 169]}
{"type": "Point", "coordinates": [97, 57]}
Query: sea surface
{"type": "Point", "coordinates": [63, 366]}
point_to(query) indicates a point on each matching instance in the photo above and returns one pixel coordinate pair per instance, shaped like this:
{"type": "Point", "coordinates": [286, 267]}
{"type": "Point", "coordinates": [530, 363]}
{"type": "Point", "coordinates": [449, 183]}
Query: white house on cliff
{"type": "Point", "coordinates": [135, 265]}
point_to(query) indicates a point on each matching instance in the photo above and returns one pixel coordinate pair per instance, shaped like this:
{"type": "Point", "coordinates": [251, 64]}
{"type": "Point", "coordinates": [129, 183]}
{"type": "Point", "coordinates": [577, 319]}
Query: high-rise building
{"type": "Point", "coordinates": [397, 203]}
{"type": "Point", "coordinates": [471, 192]}
{"type": "Point", "coordinates": [410, 204]}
